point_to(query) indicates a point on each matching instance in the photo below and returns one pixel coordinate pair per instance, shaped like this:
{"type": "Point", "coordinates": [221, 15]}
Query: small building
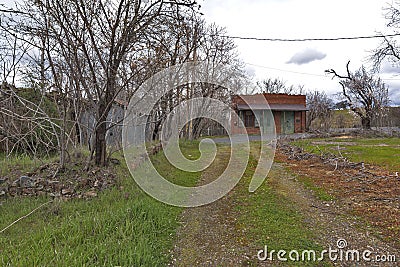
{"type": "Point", "coordinates": [87, 122]}
{"type": "Point", "coordinates": [287, 113]}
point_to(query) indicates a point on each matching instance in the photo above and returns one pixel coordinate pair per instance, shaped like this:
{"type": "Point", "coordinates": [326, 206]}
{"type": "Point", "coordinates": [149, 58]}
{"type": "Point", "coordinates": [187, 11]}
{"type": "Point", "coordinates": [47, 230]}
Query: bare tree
{"type": "Point", "coordinates": [26, 122]}
{"type": "Point", "coordinates": [272, 86]}
{"type": "Point", "coordinates": [217, 50]}
{"type": "Point", "coordinates": [96, 40]}
{"type": "Point", "coordinates": [89, 55]}
{"type": "Point", "coordinates": [319, 106]}
{"type": "Point", "coordinates": [367, 96]}
{"type": "Point", "coordinates": [191, 39]}
{"type": "Point", "coordinates": [175, 42]}
{"type": "Point", "coordinates": [277, 86]}
{"type": "Point", "coordinates": [389, 48]}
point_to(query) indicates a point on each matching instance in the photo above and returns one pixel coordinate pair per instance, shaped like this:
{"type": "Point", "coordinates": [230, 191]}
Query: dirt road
{"type": "Point", "coordinates": [209, 235]}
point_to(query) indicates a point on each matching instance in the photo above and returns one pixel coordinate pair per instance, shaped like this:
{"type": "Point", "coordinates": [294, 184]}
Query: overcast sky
{"type": "Point", "coordinates": [304, 62]}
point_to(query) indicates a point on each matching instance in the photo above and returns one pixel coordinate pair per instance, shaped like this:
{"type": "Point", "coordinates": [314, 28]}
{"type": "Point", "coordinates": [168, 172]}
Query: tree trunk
{"type": "Point", "coordinates": [308, 124]}
{"type": "Point", "coordinates": [100, 144]}
{"type": "Point", "coordinates": [75, 118]}
{"type": "Point", "coordinates": [104, 107]}
{"type": "Point", "coordinates": [100, 136]}
{"type": "Point", "coordinates": [62, 139]}
{"type": "Point", "coordinates": [366, 123]}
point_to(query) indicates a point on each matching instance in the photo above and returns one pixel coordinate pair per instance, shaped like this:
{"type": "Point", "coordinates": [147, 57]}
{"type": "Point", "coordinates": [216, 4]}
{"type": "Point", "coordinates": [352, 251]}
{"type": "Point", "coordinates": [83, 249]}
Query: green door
{"type": "Point", "coordinates": [266, 119]}
{"type": "Point", "coordinates": [287, 122]}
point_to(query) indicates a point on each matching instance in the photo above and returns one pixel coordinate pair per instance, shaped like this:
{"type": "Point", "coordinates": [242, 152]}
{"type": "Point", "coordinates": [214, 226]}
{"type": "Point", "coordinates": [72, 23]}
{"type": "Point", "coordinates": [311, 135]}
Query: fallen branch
{"type": "Point", "coordinates": [23, 217]}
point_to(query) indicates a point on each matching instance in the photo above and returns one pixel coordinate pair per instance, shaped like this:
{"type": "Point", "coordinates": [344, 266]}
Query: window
{"type": "Point", "coordinates": [249, 119]}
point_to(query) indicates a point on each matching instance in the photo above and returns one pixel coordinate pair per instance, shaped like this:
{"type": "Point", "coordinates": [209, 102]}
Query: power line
{"type": "Point", "coordinates": [305, 73]}
{"type": "Point", "coordinates": [296, 72]}
{"type": "Point", "coordinates": [307, 39]}
{"type": "Point", "coordinates": [390, 79]}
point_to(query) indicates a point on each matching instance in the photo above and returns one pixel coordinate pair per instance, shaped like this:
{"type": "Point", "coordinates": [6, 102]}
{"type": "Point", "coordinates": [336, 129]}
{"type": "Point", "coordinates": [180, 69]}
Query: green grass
{"type": "Point", "coordinates": [179, 177]}
{"type": "Point", "coordinates": [273, 220]}
{"type": "Point", "coordinates": [384, 152]}
{"type": "Point", "coordinates": [122, 226]}
{"type": "Point", "coordinates": [319, 192]}
{"type": "Point", "coordinates": [20, 162]}
{"type": "Point", "coordinates": [125, 227]}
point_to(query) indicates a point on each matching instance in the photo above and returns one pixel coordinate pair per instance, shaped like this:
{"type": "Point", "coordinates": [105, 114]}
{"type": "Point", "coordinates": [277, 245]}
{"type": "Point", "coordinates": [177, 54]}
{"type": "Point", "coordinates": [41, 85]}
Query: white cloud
{"type": "Point", "coordinates": [300, 19]}
{"type": "Point", "coordinates": [306, 56]}
{"type": "Point", "coordinates": [394, 91]}
{"type": "Point", "coordinates": [394, 95]}
{"type": "Point", "coordinates": [389, 68]}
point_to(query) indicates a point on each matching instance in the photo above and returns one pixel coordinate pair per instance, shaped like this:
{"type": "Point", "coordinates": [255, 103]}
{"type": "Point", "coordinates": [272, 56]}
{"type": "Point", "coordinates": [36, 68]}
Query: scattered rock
{"type": "Point", "coordinates": [24, 181]}
{"type": "Point", "coordinates": [29, 174]}
{"type": "Point", "coordinates": [84, 182]}
{"type": "Point", "coordinates": [43, 167]}
{"type": "Point", "coordinates": [54, 195]}
{"type": "Point", "coordinates": [39, 188]}
{"type": "Point", "coordinates": [67, 191]}
{"type": "Point", "coordinates": [91, 193]}
{"type": "Point", "coordinates": [72, 183]}
{"type": "Point", "coordinates": [28, 191]}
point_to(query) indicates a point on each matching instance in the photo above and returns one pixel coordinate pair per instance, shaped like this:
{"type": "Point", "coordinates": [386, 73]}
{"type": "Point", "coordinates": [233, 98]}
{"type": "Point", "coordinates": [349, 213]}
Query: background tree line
{"type": "Point", "coordinates": [61, 61]}
{"type": "Point", "coordinates": [76, 56]}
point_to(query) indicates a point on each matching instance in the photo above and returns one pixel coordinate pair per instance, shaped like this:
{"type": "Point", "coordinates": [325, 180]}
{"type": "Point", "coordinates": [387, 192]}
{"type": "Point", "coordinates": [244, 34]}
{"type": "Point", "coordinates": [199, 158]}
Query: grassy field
{"type": "Point", "coordinates": [122, 226]}
{"type": "Point", "coordinates": [384, 152]}
{"type": "Point", "coordinates": [125, 227]}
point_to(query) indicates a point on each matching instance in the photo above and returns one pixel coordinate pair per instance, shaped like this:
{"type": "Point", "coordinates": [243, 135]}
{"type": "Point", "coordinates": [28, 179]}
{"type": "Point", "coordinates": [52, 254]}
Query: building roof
{"type": "Point", "coordinates": [288, 107]}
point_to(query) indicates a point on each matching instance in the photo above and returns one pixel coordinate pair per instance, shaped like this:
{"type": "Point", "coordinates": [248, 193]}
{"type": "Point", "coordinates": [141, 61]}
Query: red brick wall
{"type": "Point", "coordinates": [277, 118]}
{"type": "Point", "coordinates": [297, 122]}
{"type": "Point", "coordinates": [272, 99]}
{"type": "Point", "coordinates": [285, 99]}
{"type": "Point", "coordinates": [299, 119]}
{"type": "Point", "coordinates": [252, 130]}
{"type": "Point", "coordinates": [244, 130]}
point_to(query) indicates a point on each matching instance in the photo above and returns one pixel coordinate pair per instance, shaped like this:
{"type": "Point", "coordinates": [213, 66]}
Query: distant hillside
{"type": "Point", "coordinates": [348, 119]}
